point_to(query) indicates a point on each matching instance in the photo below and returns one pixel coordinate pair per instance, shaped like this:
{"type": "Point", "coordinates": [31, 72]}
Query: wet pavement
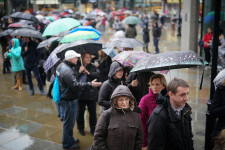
{"type": "Point", "coordinates": [31, 123]}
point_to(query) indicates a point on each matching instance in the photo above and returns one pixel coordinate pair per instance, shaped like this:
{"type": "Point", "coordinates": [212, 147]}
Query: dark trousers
{"type": "Point", "coordinates": [37, 76]}
{"type": "Point", "coordinates": [91, 104]}
{"type": "Point", "coordinates": [6, 66]}
{"type": "Point", "coordinates": [42, 75]}
{"type": "Point", "coordinates": [156, 41]}
{"type": "Point", "coordinates": [207, 54]}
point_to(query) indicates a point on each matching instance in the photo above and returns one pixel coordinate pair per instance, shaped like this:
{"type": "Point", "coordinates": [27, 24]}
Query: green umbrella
{"type": "Point", "coordinates": [79, 35]}
{"type": "Point", "coordinates": [131, 20]}
{"type": "Point", "coordinates": [60, 26]}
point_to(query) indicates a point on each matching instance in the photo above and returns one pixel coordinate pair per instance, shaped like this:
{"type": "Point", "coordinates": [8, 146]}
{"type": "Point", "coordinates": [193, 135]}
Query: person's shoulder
{"type": "Point", "coordinates": [160, 111]}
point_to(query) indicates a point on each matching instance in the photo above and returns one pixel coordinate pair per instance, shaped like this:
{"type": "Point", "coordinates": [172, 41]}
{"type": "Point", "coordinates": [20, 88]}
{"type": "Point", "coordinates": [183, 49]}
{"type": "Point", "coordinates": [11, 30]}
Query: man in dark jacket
{"type": "Point", "coordinates": [31, 58]}
{"type": "Point", "coordinates": [89, 96]}
{"type": "Point", "coordinates": [169, 127]}
{"type": "Point", "coordinates": [70, 88]}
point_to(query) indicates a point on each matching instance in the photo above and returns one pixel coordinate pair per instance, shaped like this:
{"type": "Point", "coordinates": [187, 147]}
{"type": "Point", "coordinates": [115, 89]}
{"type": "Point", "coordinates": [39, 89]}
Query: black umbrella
{"type": "Point", "coordinates": [126, 43]}
{"type": "Point", "coordinates": [168, 60]}
{"type": "Point", "coordinates": [80, 46]}
{"type": "Point", "coordinates": [24, 16]}
{"type": "Point", "coordinates": [6, 32]}
{"type": "Point", "coordinates": [27, 33]}
{"type": "Point", "coordinates": [48, 41]}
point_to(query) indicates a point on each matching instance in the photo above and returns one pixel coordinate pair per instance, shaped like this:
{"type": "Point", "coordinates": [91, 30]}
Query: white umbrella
{"type": "Point", "coordinates": [219, 78]}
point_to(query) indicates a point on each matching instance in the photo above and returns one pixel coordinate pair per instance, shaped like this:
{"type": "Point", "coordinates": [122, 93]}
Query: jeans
{"type": "Point", "coordinates": [59, 110]}
{"type": "Point", "coordinates": [156, 41]}
{"type": "Point", "coordinates": [37, 76]}
{"type": "Point", "coordinates": [69, 110]}
{"type": "Point", "coordinates": [91, 104]}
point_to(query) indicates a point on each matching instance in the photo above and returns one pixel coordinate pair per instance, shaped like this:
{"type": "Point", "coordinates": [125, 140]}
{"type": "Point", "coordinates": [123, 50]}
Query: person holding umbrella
{"type": "Point", "coordinates": [87, 73]}
{"type": "Point", "coordinates": [207, 39]}
{"type": "Point", "coordinates": [31, 60]}
{"type": "Point", "coordinates": [17, 62]}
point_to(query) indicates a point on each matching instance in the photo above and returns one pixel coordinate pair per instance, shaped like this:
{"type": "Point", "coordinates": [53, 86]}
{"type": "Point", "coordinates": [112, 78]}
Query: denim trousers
{"type": "Point", "coordinates": [156, 41]}
{"type": "Point", "coordinates": [69, 110]}
{"type": "Point", "coordinates": [59, 110]}
{"type": "Point", "coordinates": [35, 70]}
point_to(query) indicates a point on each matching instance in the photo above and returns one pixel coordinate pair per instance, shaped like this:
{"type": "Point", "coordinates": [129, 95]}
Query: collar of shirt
{"type": "Point", "coordinates": [177, 111]}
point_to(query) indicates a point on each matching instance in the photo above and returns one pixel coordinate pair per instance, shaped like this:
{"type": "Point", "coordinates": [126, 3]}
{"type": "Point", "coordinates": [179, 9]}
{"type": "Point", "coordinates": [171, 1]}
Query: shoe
{"type": "Point", "coordinates": [76, 140]}
{"type": "Point", "coordinates": [43, 93]}
{"type": "Point", "coordinates": [82, 132]}
{"type": "Point", "coordinates": [74, 147]}
{"type": "Point", "coordinates": [31, 92]}
{"type": "Point", "coordinates": [59, 116]}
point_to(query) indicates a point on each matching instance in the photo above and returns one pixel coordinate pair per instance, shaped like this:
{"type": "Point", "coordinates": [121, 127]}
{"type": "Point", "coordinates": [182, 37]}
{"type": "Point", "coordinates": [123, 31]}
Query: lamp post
{"type": "Point", "coordinates": [210, 120]}
{"type": "Point", "coordinates": [179, 20]}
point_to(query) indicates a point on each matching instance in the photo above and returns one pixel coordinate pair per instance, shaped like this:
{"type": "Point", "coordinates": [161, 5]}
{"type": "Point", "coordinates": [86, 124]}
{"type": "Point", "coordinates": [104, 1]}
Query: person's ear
{"type": "Point", "coordinates": [170, 94]}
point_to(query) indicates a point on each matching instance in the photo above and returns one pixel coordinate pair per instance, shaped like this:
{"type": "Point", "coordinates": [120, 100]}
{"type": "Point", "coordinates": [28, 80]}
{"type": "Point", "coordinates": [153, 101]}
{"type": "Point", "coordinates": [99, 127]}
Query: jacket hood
{"type": "Point", "coordinates": [122, 90]}
{"type": "Point", "coordinates": [162, 97]}
{"type": "Point", "coordinates": [114, 67]}
{"type": "Point", "coordinates": [16, 43]}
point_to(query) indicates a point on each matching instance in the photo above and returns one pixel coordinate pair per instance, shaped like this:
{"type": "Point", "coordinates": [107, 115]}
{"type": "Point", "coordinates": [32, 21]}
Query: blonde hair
{"type": "Point", "coordinates": [160, 77]}
{"type": "Point", "coordinates": [223, 83]}
{"type": "Point", "coordinates": [220, 141]}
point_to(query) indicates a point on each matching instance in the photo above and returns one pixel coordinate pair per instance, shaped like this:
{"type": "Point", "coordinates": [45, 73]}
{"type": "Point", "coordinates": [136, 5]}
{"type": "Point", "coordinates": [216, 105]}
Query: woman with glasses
{"type": "Point", "coordinates": [119, 128]}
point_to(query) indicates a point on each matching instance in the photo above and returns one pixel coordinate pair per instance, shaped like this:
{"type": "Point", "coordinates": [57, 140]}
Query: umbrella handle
{"type": "Point", "coordinates": [202, 78]}
{"type": "Point", "coordinates": [81, 61]}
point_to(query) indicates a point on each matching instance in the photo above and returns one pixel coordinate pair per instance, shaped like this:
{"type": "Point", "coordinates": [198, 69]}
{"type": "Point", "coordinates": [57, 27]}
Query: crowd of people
{"type": "Point", "coordinates": [140, 111]}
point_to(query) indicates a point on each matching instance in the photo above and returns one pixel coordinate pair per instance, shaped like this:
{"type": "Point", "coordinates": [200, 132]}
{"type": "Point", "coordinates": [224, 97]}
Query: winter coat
{"type": "Point", "coordinates": [167, 131]}
{"type": "Point", "coordinates": [92, 92]}
{"type": "Point", "coordinates": [146, 37]}
{"type": "Point", "coordinates": [16, 58]}
{"type": "Point", "coordinates": [119, 129]}
{"type": "Point", "coordinates": [156, 32]}
{"type": "Point", "coordinates": [206, 38]}
{"type": "Point", "coordinates": [131, 32]}
{"type": "Point", "coordinates": [217, 109]}
{"type": "Point", "coordinates": [32, 56]}
{"type": "Point", "coordinates": [147, 105]}
{"type": "Point", "coordinates": [109, 86]}
{"type": "Point", "coordinates": [104, 69]}
{"type": "Point", "coordinates": [68, 79]}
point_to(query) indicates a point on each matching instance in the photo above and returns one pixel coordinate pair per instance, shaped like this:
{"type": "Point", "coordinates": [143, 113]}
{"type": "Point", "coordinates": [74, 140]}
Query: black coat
{"type": "Point", "coordinates": [69, 78]}
{"type": "Point", "coordinates": [217, 109]}
{"type": "Point", "coordinates": [32, 56]}
{"type": "Point", "coordinates": [109, 86]}
{"type": "Point", "coordinates": [146, 37]}
{"type": "Point", "coordinates": [156, 32]}
{"type": "Point", "coordinates": [167, 131]}
{"type": "Point", "coordinates": [104, 69]}
{"type": "Point", "coordinates": [90, 93]}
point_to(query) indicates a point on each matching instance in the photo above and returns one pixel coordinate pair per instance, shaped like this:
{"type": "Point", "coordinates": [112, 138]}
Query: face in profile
{"type": "Point", "coordinates": [180, 98]}
{"type": "Point", "coordinates": [123, 102]}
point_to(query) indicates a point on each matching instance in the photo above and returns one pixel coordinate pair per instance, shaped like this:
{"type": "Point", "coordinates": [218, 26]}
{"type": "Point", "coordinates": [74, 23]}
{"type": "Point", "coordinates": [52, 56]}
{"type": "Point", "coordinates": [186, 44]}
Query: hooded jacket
{"type": "Point", "coordinates": [68, 79]}
{"type": "Point", "coordinates": [124, 130]}
{"type": "Point", "coordinates": [15, 55]}
{"type": "Point", "coordinates": [147, 105]}
{"type": "Point", "coordinates": [109, 86]}
{"type": "Point", "coordinates": [167, 131]}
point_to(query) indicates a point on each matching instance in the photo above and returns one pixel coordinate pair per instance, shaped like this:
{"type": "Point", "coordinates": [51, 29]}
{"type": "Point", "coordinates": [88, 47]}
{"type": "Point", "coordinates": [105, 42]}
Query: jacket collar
{"type": "Point", "coordinates": [69, 63]}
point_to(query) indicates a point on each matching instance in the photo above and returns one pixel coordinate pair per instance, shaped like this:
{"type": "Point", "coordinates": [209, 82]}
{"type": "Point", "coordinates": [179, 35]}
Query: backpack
{"type": "Point", "coordinates": [56, 88]}
{"type": "Point", "coordinates": [200, 43]}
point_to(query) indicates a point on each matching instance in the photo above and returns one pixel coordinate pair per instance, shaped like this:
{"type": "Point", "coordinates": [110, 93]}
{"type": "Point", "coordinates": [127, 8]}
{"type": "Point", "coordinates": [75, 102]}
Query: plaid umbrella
{"type": "Point", "coordinates": [130, 58]}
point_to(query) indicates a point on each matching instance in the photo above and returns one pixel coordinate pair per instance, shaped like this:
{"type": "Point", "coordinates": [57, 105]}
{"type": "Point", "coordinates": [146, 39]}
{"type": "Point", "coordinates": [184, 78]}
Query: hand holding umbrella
{"type": "Point", "coordinates": [134, 83]}
{"type": "Point", "coordinates": [96, 84]}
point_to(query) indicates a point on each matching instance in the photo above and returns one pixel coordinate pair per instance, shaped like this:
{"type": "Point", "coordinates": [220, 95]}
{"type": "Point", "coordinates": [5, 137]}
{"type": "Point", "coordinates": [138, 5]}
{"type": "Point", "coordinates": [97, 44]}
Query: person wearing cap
{"type": "Point", "coordinates": [70, 89]}
{"type": "Point", "coordinates": [120, 127]}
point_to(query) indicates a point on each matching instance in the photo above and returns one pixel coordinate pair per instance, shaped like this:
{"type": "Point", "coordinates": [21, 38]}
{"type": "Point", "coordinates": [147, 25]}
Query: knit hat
{"type": "Point", "coordinates": [70, 54]}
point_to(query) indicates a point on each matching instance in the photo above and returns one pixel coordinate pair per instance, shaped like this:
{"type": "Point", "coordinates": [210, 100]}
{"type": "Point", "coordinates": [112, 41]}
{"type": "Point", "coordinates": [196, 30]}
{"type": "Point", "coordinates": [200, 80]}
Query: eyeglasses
{"type": "Point", "coordinates": [123, 100]}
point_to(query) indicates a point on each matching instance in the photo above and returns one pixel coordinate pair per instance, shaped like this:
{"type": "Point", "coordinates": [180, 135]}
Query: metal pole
{"type": "Point", "coordinates": [179, 20]}
{"type": "Point", "coordinates": [210, 121]}
{"type": "Point", "coordinates": [202, 20]}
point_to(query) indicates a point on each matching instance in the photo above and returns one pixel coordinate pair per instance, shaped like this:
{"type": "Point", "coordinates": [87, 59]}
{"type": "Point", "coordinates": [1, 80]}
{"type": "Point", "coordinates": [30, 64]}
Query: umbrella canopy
{"type": "Point", "coordinates": [128, 12]}
{"type": "Point", "coordinates": [110, 51]}
{"type": "Point", "coordinates": [27, 32]}
{"type": "Point", "coordinates": [79, 35]}
{"type": "Point", "coordinates": [219, 78]}
{"type": "Point", "coordinates": [48, 41]}
{"type": "Point", "coordinates": [40, 17]}
{"type": "Point", "coordinates": [130, 58]}
{"type": "Point", "coordinates": [25, 16]}
{"type": "Point", "coordinates": [19, 25]}
{"type": "Point", "coordinates": [60, 26]}
{"type": "Point", "coordinates": [87, 28]}
{"type": "Point", "coordinates": [83, 21]}
{"type": "Point", "coordinates": [126, 43]}
{"type": "Point", "coordinates": [80, 46]}
{"type": "Point", "coordinates": [90, 17]}
{"type": "Point", "coordinates": [6, 32]}
{"type": "Point", "coordinates": [169, 60]}
{"type": "Point", "coordinates": [131, 20]}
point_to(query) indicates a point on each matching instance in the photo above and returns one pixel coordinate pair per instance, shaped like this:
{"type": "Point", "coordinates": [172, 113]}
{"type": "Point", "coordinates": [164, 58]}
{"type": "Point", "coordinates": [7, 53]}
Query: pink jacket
{"type": "Point", "coordinates": [147, 105]}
